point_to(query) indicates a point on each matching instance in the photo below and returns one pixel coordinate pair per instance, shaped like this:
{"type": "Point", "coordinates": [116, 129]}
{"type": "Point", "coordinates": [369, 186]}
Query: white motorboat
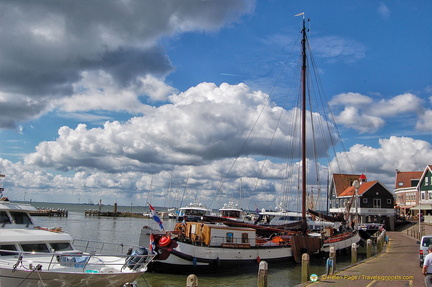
{"type": "Point", "coordinates": [34, 256]}
{"type": "Point", "coordinates": [193, 211]}
{"type": "Point", "coordinates": [231, 210]}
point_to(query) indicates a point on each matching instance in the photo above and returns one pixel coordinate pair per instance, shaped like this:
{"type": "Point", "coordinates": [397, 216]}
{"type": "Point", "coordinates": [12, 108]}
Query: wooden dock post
{"type": "Point", "coordinates": [262, 274]}
{"type": "Point", "coordinates": [368, 248]}
{"type": "Point", "coordinates": [353, 253]}
{"type": "Point", "coordinates": [305, 268]}
{"type": "Point", "coordinates": [192, 281]}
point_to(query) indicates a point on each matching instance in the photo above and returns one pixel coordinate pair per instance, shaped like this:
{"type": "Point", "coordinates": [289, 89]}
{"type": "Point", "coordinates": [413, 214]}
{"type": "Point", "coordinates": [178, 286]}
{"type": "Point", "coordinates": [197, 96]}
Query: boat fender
{"type": "Point", "coordinates": [164, 240]}
{"type": "Point", "coordinates": [194, 262]}
{"type": "Point", "coordinates": [134, 262]}
{"type": "Point", "coordinates": [258, 259]}
{"type": "Point", "coordinates": [217, 262]}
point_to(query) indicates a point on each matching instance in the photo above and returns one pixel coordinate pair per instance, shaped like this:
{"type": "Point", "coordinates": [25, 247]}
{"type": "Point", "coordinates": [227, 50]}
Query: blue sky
{"type": "Point", "coordinates": [119, 100]}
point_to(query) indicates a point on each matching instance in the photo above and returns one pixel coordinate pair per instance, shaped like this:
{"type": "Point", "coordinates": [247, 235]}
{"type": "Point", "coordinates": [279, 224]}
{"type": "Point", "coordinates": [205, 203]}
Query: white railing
{"type": "Point", "coordinates": [74, 261]}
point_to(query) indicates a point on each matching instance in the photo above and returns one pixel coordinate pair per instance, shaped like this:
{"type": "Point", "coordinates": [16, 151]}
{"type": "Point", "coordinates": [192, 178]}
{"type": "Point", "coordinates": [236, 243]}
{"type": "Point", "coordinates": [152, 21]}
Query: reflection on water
{"type": "Point", "coordinates": [127, 230]}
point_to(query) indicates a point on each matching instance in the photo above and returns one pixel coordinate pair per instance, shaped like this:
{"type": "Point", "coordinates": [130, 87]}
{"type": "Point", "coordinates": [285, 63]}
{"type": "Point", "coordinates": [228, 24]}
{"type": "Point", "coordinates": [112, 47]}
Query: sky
{"type": "Point", "coordinates": [132, 101]}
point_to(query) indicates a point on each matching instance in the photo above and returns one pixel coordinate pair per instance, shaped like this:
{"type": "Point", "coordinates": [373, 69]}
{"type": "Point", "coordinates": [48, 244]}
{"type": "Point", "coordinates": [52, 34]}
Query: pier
{"type": "Point", "coordinates": [50, 212]}
{"type": "Point", "coordinates": [95, 212]}
{"type": "Point", "coordinates": [114, 213]}
{"type": "Point", "coordinates": [397, 265]}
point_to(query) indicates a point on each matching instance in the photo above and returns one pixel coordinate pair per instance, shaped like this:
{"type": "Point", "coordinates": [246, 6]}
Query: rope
{"type": "Point", "coordinates": [36, 269]}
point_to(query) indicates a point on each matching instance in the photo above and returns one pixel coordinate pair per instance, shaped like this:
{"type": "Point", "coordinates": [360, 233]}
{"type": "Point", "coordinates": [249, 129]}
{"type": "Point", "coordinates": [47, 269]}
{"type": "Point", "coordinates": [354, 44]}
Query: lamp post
{"type": "Point", "coordinates": [356, 185]}
{"type": "Point", "coordinates": [419, 212]}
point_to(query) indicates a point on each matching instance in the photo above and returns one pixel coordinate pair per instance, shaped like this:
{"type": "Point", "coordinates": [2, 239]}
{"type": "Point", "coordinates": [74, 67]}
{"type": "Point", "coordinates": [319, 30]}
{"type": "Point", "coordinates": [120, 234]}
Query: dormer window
{"type": "Point", "coordinates": [426, 180]}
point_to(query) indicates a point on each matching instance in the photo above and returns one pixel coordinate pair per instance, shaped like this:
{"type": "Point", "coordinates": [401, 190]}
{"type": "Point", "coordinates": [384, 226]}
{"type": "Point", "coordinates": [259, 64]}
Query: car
{"type": "Point", "coordinates": [425, 241]}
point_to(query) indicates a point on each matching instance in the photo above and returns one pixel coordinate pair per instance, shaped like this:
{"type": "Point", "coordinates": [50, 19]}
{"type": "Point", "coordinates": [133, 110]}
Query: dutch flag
{"type": "Point", "coordinates": [155, 217]}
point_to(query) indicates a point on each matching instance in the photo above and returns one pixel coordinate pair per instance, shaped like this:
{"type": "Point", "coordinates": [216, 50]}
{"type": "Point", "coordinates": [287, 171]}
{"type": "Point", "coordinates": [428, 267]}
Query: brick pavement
{"type": "Point", "coordinates": [396, 265]}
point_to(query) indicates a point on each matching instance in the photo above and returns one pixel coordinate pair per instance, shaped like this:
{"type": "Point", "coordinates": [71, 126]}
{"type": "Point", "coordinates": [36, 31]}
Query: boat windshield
{"type": "Point", "coordinates": [61, 246]}
{"type": "Point", "coordinates": [21, 218]}
{"type": "Point", "coordinates": [5, 248]}
{"type": "Point", "coordinates": [4, 218]}
{"type": "Point", "coordinates": [35, 247]}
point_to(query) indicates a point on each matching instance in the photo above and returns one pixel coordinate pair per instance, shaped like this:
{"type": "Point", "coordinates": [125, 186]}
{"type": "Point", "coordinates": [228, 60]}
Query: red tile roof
{"type": "Point", "coordinates": [405, 178]}
{"type": "Point", "coordinates": [365, 186]}
{"type": "Point", "coordinates": [343, 181]}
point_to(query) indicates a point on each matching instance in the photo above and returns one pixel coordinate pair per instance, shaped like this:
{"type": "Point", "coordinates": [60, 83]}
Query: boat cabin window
{"type": "Point", "coordinates": [245, 238]}
{"type": "Point", "coordinates": [289, 218]}
{"type": "Point", "coordinates": [21, 218]}
{"type": "Point", "coordinates": [4, 218]}
{"type": "Point", "coordinates": [61, 246]}
{"type": "Point", "coordinates": [7, 247]}
{"type": "Point", "coordinates": [194, 212]}
{"type": "Point", "coordinates": [35, 247]}
{"type": "Point", "coordinates": [231, 213]}
{"type": "Point", "coordinates": [229, 237]}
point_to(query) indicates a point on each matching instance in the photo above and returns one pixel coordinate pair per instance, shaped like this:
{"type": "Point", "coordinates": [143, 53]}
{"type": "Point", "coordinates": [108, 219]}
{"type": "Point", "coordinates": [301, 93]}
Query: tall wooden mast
{"type": "Point", "coordinates": [303, 126]}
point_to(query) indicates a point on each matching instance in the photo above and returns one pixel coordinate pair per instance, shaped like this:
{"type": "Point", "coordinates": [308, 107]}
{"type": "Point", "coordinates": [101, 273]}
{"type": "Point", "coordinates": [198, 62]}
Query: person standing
{"type": "Point", "coordinates": [427, 267]}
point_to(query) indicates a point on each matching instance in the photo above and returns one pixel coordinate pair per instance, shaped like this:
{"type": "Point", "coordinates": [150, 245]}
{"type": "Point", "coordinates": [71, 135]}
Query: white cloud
{"type": "Point", "coordinates": [424, 121]}
{"type": "Point", "coordinates": [403, 153]}
{"type": "Point", "coordinates": [99, 91]}
{"type": "Point", "coordinates": [364, 114]}
{"type": "Point", "coordinates": [335, 48]}
{"type": "Point", "coordinates": [401, 104]}
{"type": "Point", "coordinates": [351, 99]}
{"type": "Point", "coordinates": [47, 49]}
{"type": "Point", "coordinates": [384, 11]}
{"type": "Point", "coordinates": [351, 117]}
{"type": "Point", "coordinates": [204, 123]}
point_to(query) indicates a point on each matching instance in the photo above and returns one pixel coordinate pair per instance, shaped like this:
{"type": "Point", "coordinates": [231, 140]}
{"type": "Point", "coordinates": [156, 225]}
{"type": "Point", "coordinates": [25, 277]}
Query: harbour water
{"type": "Point", "coordinates": [127, 230]}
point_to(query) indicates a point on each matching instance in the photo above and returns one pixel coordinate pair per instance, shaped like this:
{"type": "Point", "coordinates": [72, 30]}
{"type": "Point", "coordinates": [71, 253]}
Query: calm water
{"type": "Point", "coordinates": [127, 231]}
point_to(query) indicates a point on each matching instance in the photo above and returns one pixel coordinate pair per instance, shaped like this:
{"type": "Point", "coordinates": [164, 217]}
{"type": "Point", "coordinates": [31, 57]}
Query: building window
{"type": "Point", "coordinates": [423, 195]}
{"type": "Point", "coordinates": [426, 180]}
{"type": "Point", "coordinates": [364, 200]}
{"type": "Point", "coordinates": [430, 195]}
{"type": "Point", "coordinates": [389, 201]}
{"type": "Point", "coordinates": [377, 203]}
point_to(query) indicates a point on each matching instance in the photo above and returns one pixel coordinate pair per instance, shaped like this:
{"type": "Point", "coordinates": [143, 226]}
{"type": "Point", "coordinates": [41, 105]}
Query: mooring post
{"type": "Point", "coordinates": [353, 253]}
{"type": "Point", "coordinates": [305, 267]}
{"type": "Point", "coordinates": [192, 281]}
{"type": "Point", "coordinates": [368, 248]}
{"type": "Point", "coordinates": [332, 254]}
{"type": "Point", "coordinates": [379, 244]}
{"type": "Point", "coordinates": [262, 274]}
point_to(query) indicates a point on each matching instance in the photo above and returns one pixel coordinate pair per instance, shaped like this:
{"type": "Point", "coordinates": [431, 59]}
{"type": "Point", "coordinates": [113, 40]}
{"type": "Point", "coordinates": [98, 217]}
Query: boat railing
{"type": "Point", "coordinates": [100, 247]}
{"type": "Point", "coordinates": [74, 261]}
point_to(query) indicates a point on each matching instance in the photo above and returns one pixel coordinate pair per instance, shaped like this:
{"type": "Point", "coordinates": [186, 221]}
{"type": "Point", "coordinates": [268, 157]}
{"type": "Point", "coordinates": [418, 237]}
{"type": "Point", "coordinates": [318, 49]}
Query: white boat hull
{"type": "Point", "coordinates": [29, 278]}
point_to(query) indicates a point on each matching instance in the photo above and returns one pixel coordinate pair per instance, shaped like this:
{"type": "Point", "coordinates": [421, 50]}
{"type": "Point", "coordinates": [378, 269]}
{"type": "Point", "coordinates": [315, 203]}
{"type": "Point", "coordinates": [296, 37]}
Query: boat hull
{"type": "Point", "coordinates": [30, 278]}
{"type": "Point", "coordinates": [341, 244]}
{"type": "Point", "coordinates": [187, 257]}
